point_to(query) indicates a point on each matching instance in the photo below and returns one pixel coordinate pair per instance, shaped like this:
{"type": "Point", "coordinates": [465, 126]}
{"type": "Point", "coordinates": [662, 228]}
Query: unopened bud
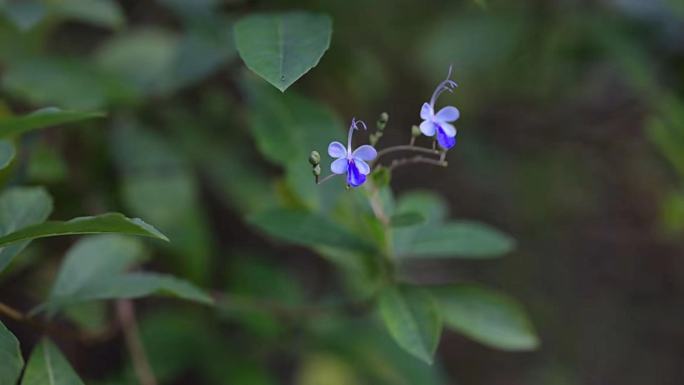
{"type": "Point", "coordinates": [315, 158]}
{"type": "Point", "coordinates": [415, 131]}
{"type": "Point", "coordinates": [317, 170]}
{"type": "Point", "coordinates": [382, 121]}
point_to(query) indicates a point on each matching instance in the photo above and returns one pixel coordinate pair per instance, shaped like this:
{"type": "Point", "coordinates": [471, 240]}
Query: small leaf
{"type": "Point", "coordinates": [462, 239]}
{"type": "Point", "coordinates": [47, 366]}
{"type": "Point", "coordinates": [43, 118]}
{"type": "Point", "coordinates": [486, 316]}
{"type": "Point", "coordinates": [105, 223]}
{"type": "Point", "coordinates": [10, 356]}
{"type": "Point", "coordinates": [303, 228]}
{"type": "Point", "coordinates": [413, 319]}
{"type": "Point", "coordinates": [21, 207]}
{"type": "Point", "coordinates": [6, 153]}
{"type": "Point", "coordinates": [284, 46]}
{"type": "Point", "coordinates": [95, 269]}
{"type": "Point", "coordinates": [407, 219]}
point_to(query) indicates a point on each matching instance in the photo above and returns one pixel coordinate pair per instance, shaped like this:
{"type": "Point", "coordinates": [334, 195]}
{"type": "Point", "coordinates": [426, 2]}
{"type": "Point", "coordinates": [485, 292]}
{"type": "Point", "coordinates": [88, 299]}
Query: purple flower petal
{"type": "Point", "coordinates": [339, 166]}
{"type": "Point", "coordinates": [427, 128]}
{"type": "Point", "coordinates": [449, 129]}
{"type": "Point", "coordinates": [426, 112]}
{"type": "Point", "coordinates": [354, 177]}
{"type": "Point", "coordinates": [447, 114]}
{"type": "Point", "coordinates": [445, 141]}
{"type": "Point", "coordinates": [365, 152]}
{"type": "Point", "coordinates": [363, 167]}
{"type": "Point", "coordinates": [337, 150]}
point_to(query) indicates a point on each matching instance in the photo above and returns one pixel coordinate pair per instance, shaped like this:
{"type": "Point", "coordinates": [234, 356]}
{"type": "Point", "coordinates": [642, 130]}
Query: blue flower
{"type": "Point", "coordinates": [439, 124]}
{"type": "Point", "coordinates": [352, 162]}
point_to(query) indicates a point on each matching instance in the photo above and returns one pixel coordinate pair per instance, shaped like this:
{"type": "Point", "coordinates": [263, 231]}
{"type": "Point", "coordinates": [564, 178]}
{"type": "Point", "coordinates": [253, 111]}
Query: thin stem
{"type": "Point", "coordinates": [326, 178]}
{"type": "Point", "coordinates": [409, 147]}
{"type": "Point", "coordinates": [416, 159]}
{"type": "Point", "coordinates": [141, 364]}
{"type": "Point", "coordinates": [42, 327]}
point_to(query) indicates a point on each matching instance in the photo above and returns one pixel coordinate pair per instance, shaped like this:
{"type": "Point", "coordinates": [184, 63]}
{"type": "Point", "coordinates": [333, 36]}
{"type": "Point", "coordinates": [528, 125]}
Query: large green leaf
{"type": "Point", "coordinates": [304, 228]}
{"type": "Point", "coordinates": [43, 118]}
{"type": "Point", "coordinates": [282, 47]}
{"type": "Point", "coordinates": [413, 319]}
{"type": "Point", "coordinates": [101, 224]}
{"type": "Point", "coordinates": [10, 357]}
{"type": "Point", "coordinates": [47, 366]}
{"type": "Point", "coordinates": [21, 207]}
{"type": "Point", "coordinates": [462, 239]}
{"type": "Point", "coordinates": [486, 316]}
{"type": "Point", "coordinates": [95, 269]}
{"type": "Point", "coordinates": [6, 153]}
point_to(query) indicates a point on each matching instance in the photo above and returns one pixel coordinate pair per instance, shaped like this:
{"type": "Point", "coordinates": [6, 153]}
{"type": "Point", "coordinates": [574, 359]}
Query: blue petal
{"type": "Point", "coordinates": [444, 140]}
{"type": "Point", "coordinates": [354, 177]}
{"type": "Point", "coordinates": [363, 167]}
{"type": "Point", "coordinates": [427, 128]}
{"type": "Point", "coordinates": [339, 166]}
{"type": "Point", "coordinates": [365, 152]}
{"type": "Point", "coordinates": [337, 150]}
{"type": "Point", "coordinates": [426, 112]}
{"type": "Point", "coordinates": [447, 114]}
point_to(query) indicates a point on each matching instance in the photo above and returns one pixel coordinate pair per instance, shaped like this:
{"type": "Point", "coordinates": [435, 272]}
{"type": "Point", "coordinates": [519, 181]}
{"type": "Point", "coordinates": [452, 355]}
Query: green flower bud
{"type": "Point", "coordinates": [415, 131]}
{"type": "Point", "coordinates": [382, 121]}
{"type": "Point", "coordinates": [315, 158]}
{"type": "Point", "coordinates": [317, 170]}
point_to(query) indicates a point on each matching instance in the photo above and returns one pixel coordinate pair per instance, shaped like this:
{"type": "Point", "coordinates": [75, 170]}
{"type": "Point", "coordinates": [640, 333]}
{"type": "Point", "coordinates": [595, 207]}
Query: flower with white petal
{"type": "Point", "coordinates": [438, 124]}
{"type": "Point", "coordinates": [353, 163]}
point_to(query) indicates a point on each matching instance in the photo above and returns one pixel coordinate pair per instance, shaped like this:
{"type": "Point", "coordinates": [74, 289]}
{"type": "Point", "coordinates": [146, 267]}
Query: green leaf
{"type": "Point", "coordinates": [487, 316]}
{"type": "Point", "coordinates": [428, 204]}
{"type": "Point", "coordinates": [105, 223]}
{"type": "Point", "coordinates": [21, 207]}
{"type": "Point", "coordinates": [413, 319]}
{"type": "Point", "coordinates": [95, 269]}
{"type": "Point", "coordinates": [6, 153]}
{"type": "Point", "coordinates": [307, 229]}
{"type": "Point", "coordinates": [462, 239]}
{"type": "Point", "coordinates": [282, 47]}
{"type": "Point", "coordinates": [105, 13]}
{"type": "Point", "coordinates": [47, 366]}
{"type": "Point", "coordinates": [10, 356]}
{"type": "Point", "coordinates": [406, 219]}
{"type": "Point", "coordinates": [43, 118]}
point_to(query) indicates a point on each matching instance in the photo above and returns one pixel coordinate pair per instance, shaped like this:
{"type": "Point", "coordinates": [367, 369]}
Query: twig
{"type": "Point", "coordinates": [326, 178]}
{"type": "Point", "coordinates": [129, 325]}
{"type": "Point", "coordinates": [40, 326]}
{"type": "Point", "coordinates": [408, 147]}
{"type": "Point", "coordinates": [417, 159]}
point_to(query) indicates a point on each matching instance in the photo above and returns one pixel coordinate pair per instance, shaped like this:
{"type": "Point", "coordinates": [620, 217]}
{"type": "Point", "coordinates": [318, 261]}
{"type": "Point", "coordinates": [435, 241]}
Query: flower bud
{"type": "Point", "coordinates": [317, 170]}
{"type": "Point", "coordinates": [415, 131]}
{"type": "Point", "coordinates": [315, 158]}
{"type": "Point", "coordinates": [382, 121]}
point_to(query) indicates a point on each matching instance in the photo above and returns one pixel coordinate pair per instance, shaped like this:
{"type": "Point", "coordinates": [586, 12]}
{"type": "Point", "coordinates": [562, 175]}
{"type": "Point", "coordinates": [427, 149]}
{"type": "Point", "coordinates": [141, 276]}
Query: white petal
{"type": "Point", "coordinates": [337, 150]}
{"type": "Point", "coordinates": [427, 128]}
{"type": "Point", "coordinates": [339, 166]}
{"type": "Point", "coordinates": [426, 112]}
{"type": "Point", "coordinates": [449, 129]}
{"type": "Point", "coordinates": [447, 114]}
{"type": "Point", "coordinates": [365, 152]}
{"type": "Point", "coordinates": [362, 166]}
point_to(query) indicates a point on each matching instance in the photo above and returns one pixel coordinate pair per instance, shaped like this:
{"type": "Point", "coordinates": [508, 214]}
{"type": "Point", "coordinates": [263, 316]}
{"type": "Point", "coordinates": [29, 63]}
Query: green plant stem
{"type": "Point", "coordinates": [325, 179]}
{"type": "Point", "coordinates": [405, 147]}
{"type": "Point", "coordinates": [417, 159]}
{"type": "Point", "coordinates": [43, 327]}
{"type": "Point", "coordinates": [141, 365]}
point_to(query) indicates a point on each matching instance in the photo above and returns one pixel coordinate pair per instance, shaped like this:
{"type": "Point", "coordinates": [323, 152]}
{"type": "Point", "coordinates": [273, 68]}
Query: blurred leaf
{"type": "Point", "coordinates": [43, 118]}
{"type": "Point", "coordinates": [282, 47]}
{"type": "Point", "coordinates": [10, 356]}
{"type": "Point", "coordinates": [406, 219]}
{"type": "Point", "coordinates": [105, 13]}
{"type": "Point", "coordinates": [427, 203]}
{"type": "Point", "coordinates": [21, 207]}
{"type": "Point", "coordinates": [307, 229]}
{"type": "Point", "coordinates": [105, 223]}
{"type": "Point", "coordinates": [462, 239]}
{"type": "Point", "coordinates": [46, 165]}
{"type": "Point", "coordinates": [286, 128]}
{"type": "Point", "coordinates": [6, 153]}
{"type": "Point", "coordinates": [47, 366]}
{"type": "Point", "coordinates": [325, 369]}
{"type": "Point", "coordinates": [413, 319]}
{"type": "Point", "coordinates": [158, 184]}
{"type": "Point", "coordinates": [95, 268]}
{"type": "Point", "coordinates": [145, 58]}
{"type": "Point", "coordinates": [25, 14]}
{"type": "Point", "coordinates": [486, 316]}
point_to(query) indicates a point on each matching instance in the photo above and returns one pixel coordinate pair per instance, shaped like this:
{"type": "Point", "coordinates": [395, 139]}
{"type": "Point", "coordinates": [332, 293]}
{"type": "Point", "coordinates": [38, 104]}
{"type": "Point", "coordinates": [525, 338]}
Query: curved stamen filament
{"type": "Point", "coordinates": [445, 85]}
{"type": "Point", "coordinates": [354, 126]}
